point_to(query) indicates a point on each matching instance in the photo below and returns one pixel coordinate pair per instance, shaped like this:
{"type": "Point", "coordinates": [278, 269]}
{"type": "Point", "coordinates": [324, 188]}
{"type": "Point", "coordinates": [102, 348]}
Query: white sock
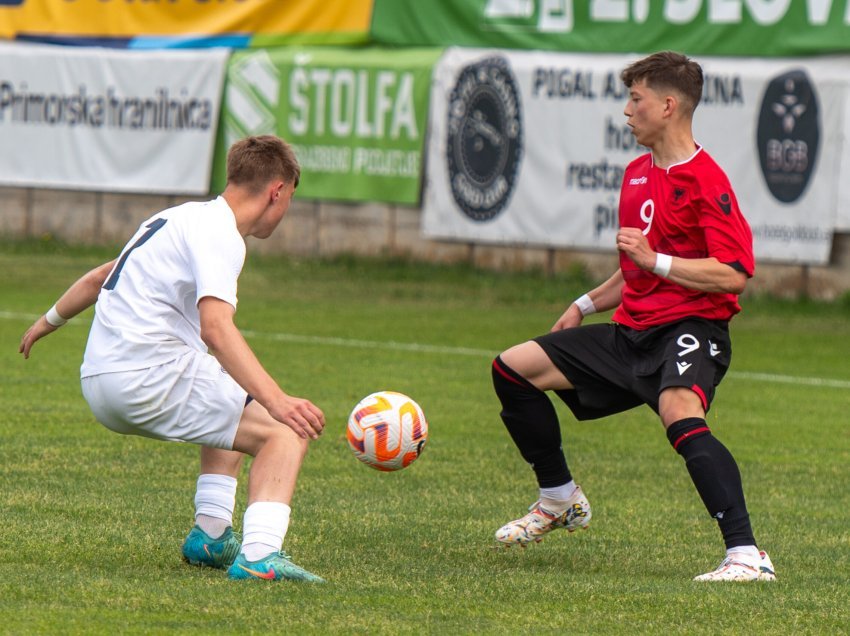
{"type": "Point", "coordinates": [749, 554]}
{"type": "Point", "coordinates": [264, 528]}
{"type": "Point", "coordinates": [215, 498]}
{"type": "Point", "coordinates": [555, 499]}
{"type": "Point", "coordinates": [212, 526]}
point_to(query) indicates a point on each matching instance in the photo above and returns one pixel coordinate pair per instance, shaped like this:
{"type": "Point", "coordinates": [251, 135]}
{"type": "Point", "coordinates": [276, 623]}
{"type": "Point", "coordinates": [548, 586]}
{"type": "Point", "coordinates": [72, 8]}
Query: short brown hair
{"type": "Point", "coordinates": [668, 70]}
{"type": "Point", "coordinates": [253, 162]}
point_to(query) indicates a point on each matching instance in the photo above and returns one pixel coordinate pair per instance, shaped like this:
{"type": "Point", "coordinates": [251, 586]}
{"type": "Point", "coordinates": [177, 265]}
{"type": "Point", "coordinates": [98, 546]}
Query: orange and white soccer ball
{"type": "Point", "coordinates": [387, 430]}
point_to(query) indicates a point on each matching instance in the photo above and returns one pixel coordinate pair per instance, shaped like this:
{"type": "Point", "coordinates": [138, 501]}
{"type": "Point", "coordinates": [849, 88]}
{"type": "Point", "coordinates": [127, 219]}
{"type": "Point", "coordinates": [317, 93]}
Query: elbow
{"type": "Point", "coordinates": [728, 279]}
{"type": "Point", "coordinates": [212, 335]}
{"type": "Point", "coordinates": [736, 283]}
{"type": "Point", "coordinates": [216, 323]}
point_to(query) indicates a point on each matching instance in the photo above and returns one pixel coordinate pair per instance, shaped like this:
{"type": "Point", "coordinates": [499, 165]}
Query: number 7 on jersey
{"type": "Point", "coordinates": [153, 226]}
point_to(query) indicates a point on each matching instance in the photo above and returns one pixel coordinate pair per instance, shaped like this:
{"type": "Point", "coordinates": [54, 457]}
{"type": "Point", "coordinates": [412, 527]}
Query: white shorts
{"type": "Point", "coordinates": [191, 399]}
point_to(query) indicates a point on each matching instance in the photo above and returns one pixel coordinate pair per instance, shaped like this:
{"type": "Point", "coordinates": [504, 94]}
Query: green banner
{"type": "Point", "coordinates": [356, 117]}
{"type": "Point", "coordinates": [695, 27]}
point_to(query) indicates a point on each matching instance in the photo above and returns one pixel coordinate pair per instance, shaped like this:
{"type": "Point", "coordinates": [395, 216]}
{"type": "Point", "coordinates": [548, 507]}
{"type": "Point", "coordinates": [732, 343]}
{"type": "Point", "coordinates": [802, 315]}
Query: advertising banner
{"type": "Point", "coordinates": [186, 23]}
{"type": "Point", "coordinates": [108, 120]}
{"type": "Point", "coordinates": [697, 27]}
{"type": "Point", "coordinates": [355, 117]}
{"type": "Point", "coordinates": [530, 148]}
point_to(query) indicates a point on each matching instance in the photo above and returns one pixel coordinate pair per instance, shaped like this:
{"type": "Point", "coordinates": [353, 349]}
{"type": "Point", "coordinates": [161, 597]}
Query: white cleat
{"type": "Point", "coordinates": [732, 569]}
{"type": "Point", "coordinates": [538, 522]}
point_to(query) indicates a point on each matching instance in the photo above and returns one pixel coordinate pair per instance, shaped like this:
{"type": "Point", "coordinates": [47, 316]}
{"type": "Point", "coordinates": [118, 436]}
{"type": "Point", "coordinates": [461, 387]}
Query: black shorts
{"type": "Point", "coordinates": [615, 368]}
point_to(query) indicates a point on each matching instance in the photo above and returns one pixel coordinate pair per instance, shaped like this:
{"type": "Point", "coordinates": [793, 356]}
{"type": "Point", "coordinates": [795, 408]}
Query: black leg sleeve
{"type": "Point", "coordinates": [716, 477]}
{"type": "Point", "coordinates": [533, 425]}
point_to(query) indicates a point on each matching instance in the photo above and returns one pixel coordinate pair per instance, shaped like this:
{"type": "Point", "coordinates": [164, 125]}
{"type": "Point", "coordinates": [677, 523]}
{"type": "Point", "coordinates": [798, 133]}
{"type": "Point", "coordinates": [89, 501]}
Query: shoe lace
{"type": "Point", "coordinates": [724, 563]}
{"type": "Point", "coordinates": [545, 513]}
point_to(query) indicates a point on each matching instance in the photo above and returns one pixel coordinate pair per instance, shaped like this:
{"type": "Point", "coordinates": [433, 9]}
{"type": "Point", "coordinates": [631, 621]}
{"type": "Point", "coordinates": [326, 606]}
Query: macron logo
{"type": "Point", "coordinates": [637, 181]}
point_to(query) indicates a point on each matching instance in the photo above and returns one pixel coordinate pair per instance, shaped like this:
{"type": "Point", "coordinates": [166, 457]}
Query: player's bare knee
{"type": "Point", "coordinates": [679, 402]}
{"type": "Point", "coordinates": [527, 359]}
{"type": "Point", "coordinates": [253, 438]}
{"type": "Point", "coordinates": [284, 437]}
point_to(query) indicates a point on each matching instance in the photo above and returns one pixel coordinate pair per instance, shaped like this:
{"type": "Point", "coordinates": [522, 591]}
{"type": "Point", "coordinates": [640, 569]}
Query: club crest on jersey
{"type": "Point", "coordinates": [788, 134]}
{"type": "Point", "coordinates": [484, 140]}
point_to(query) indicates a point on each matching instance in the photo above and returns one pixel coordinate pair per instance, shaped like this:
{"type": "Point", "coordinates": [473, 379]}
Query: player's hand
{"type": "Point", "coordinates": [570, 318]}
{"type": "Point", "coordinates": [302, 416]}
{"type": "Point", "coordinates": [632, 242]}
{"type": "Point", "coordinates": [39, 329]}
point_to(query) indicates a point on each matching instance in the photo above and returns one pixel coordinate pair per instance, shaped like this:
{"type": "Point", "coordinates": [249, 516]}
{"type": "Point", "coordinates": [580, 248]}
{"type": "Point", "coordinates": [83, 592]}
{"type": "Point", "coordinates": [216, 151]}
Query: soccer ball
{"type": "Point", "coordinates": [387, 430]}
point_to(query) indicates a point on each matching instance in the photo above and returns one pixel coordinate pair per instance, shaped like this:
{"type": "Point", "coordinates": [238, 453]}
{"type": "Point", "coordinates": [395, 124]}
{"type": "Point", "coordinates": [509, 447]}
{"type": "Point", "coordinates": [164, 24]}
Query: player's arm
{"type": "Point", "coordinates": [602, 298]}
{"type": "Point", "coordinates": [76, 299]}
{"type": "Point", "coordinates": [701, 274]}
{"type": "Point", "coordinates": [226, 343]}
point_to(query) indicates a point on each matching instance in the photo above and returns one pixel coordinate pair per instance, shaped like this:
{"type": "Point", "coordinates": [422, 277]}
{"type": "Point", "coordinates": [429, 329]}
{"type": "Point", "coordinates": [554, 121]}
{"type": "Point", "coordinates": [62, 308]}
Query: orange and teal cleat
{"type": "Point", "coordinates": [200, 549]}
{"type": "Point", "coordinates": [274, 567]}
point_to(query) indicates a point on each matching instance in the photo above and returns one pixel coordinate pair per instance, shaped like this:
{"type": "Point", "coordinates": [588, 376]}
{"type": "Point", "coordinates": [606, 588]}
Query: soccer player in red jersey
{"type": "Point", "coordinates": [685, 256]}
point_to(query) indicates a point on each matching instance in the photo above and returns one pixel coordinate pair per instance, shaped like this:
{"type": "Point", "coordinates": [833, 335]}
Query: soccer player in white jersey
{"type": "Point", "coordinates": [165, 360]}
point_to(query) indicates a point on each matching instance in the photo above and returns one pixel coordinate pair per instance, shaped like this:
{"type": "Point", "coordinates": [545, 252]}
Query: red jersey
{"type": "Point", "coordinates": [687, 210]}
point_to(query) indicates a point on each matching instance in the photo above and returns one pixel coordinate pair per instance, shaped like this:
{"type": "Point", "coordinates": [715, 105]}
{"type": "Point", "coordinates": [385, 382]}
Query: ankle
{"type": "Point", "coordinates": [212, 526]}
{"type": "Point", "coordinates": [257, 551]}
{"type": "Point", "coordinates": [556, 500]}
{"type": "Point", "coordinates": [748, 554]}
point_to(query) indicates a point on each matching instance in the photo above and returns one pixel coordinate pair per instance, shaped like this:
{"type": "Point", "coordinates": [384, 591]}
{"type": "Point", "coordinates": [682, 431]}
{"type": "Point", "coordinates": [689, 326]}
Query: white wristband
{"type": "Point", "coordinates": [663, 263]}
{"type": "Point", "coordinates": [52, 316]}
{"type": "Point", "coordinates": [585, 305]}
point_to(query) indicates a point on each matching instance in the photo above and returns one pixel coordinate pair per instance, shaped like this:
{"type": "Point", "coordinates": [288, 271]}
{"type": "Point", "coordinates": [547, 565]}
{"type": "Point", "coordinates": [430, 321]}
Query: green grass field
{"type": "Point", "coordinates": [92, 521]}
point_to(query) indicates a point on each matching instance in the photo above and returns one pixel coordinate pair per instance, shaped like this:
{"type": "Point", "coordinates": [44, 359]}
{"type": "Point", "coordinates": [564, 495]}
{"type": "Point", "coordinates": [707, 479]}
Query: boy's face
{"type": "Point", "coordinates": [647, 111]}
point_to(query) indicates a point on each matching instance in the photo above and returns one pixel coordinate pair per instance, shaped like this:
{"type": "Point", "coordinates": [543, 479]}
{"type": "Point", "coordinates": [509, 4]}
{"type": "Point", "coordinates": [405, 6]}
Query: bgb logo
{"type": "Point", "coordinates": [788, 135]}
{"type": "Point", "coordinates": [484, 142]}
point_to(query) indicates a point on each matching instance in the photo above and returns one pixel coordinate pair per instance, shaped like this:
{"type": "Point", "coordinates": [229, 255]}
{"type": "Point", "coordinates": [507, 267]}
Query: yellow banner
{"type": "Point", "coordinates": [251, 22]}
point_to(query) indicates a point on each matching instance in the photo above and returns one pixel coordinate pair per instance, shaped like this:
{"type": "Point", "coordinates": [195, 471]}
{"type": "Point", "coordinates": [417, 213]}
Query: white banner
{"type": "Point", "coordinates": [529, 148]}
{"type": "Point", "coordinates": [109, 120]}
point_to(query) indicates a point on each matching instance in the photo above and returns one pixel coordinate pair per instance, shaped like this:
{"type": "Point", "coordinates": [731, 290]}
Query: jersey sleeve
{"type": "Point", "coordinates": [727, 233]}
{"type": "Point", "coordinates": [217, 256]}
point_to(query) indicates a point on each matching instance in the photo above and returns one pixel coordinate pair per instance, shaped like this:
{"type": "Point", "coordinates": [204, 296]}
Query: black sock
{"type": "Point", "coordinates": [716, 477]}
{"type": "Point", "coordinates": [533, 425]}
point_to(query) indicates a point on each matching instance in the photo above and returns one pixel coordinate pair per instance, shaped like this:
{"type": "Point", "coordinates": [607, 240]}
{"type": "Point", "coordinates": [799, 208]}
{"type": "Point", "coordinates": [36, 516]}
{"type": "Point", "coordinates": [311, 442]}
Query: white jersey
{"type": "Point", "coordinates": [147, 311]}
